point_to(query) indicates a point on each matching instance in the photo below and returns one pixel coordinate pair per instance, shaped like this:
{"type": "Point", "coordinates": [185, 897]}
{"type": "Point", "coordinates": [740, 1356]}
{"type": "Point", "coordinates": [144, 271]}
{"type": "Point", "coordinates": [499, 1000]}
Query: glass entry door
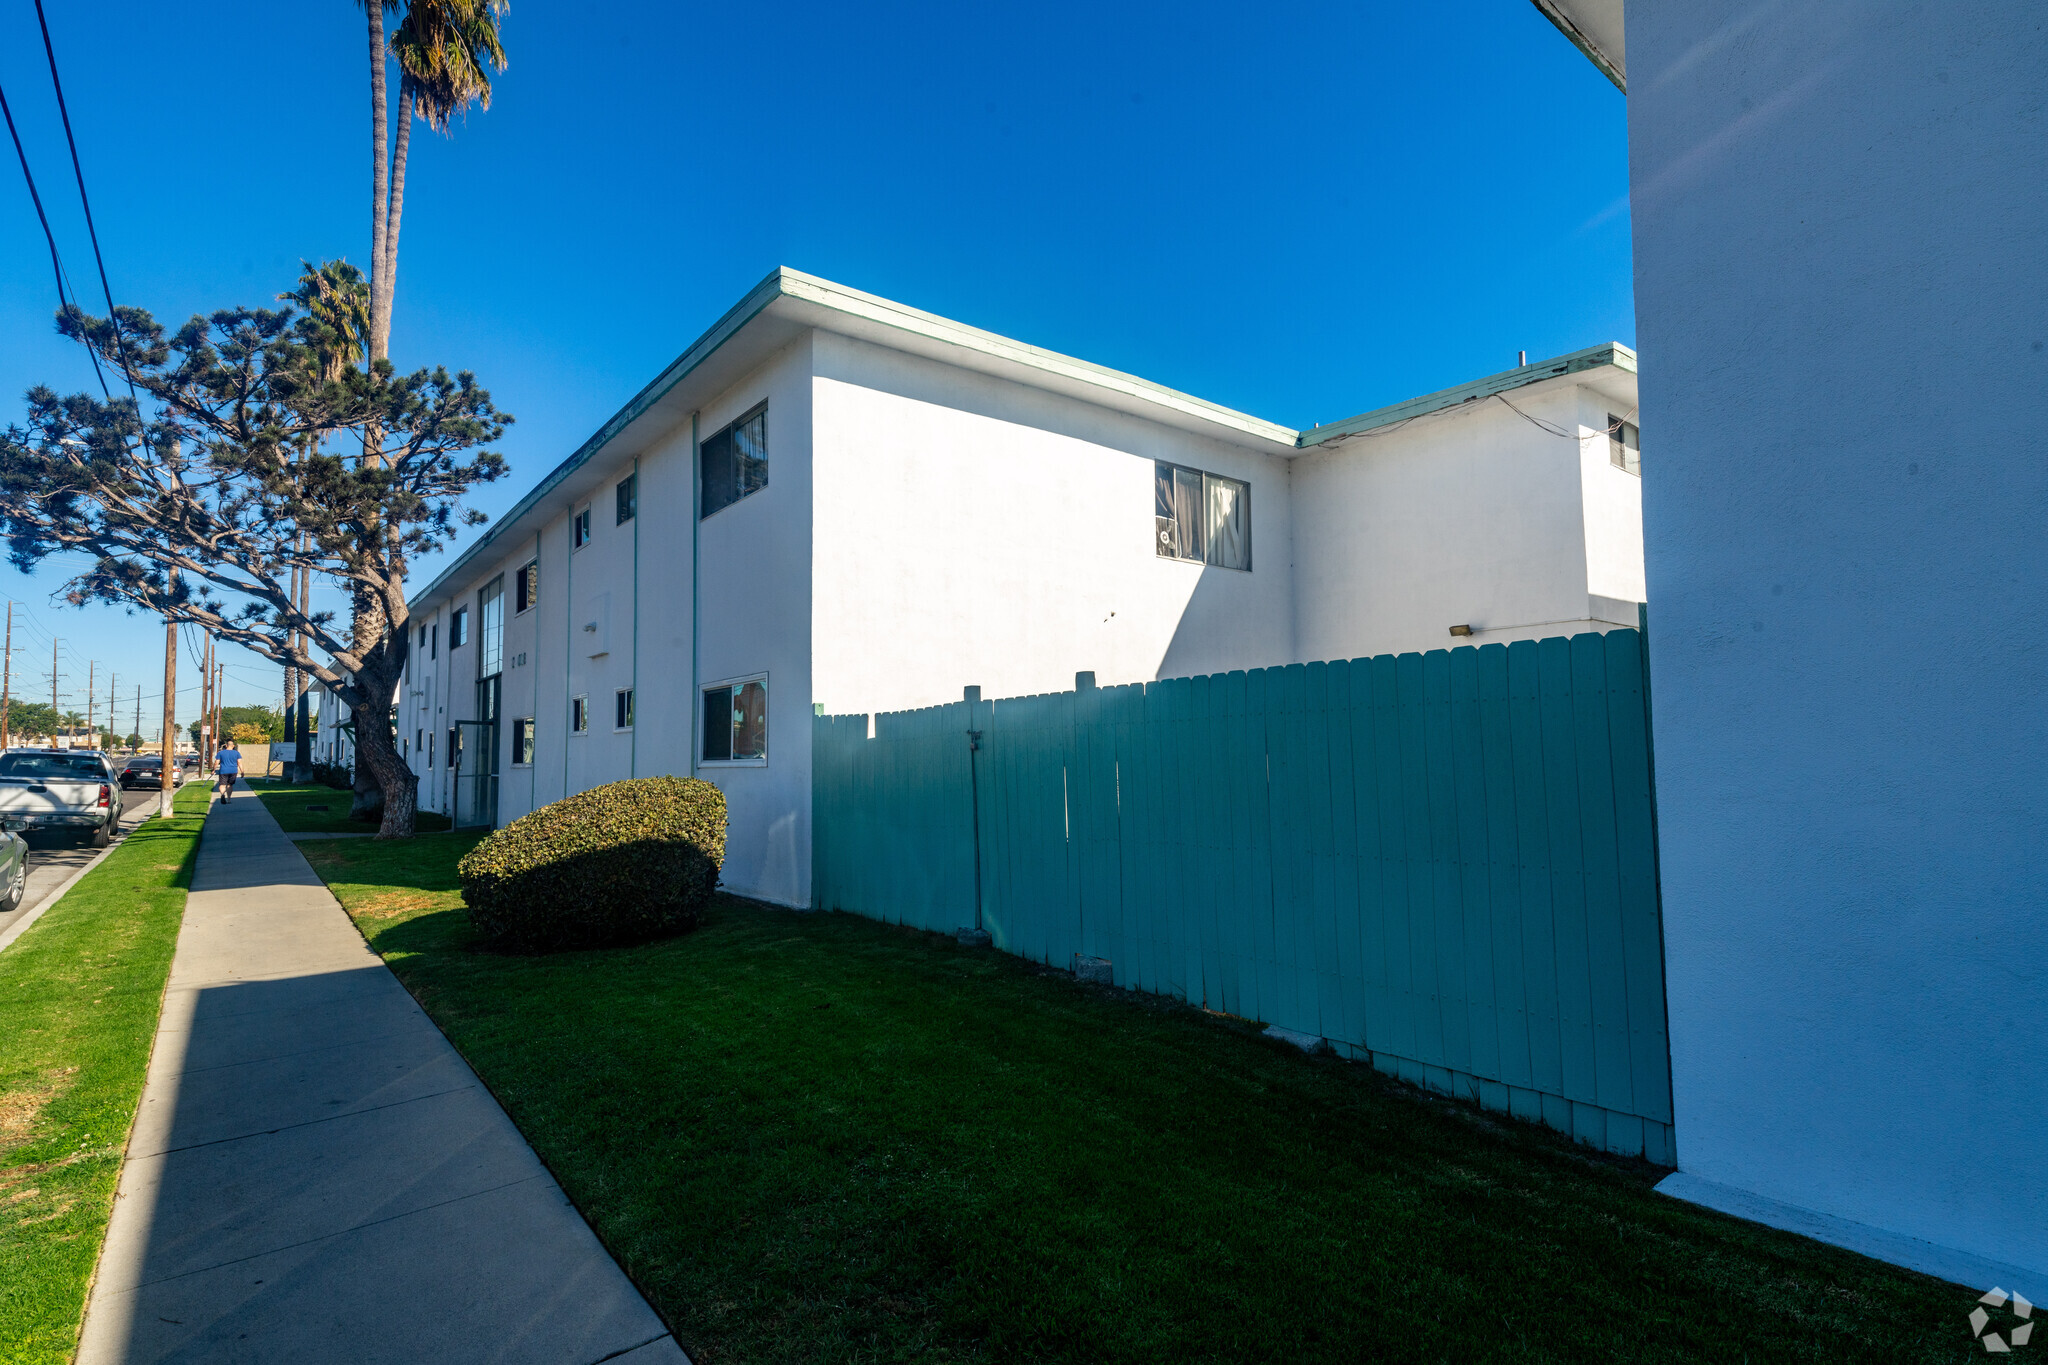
{"type": "Point", "coordinates": [475, 761]}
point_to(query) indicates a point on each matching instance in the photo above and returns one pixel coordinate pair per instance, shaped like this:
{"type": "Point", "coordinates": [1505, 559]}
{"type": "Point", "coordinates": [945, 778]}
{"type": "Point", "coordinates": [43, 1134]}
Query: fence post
{"type": "Point", "coordinates": [972, 696]}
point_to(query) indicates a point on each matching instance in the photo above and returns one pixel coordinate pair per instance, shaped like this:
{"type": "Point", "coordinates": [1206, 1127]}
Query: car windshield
{"type": "Point", "coordinates": [32, 767]}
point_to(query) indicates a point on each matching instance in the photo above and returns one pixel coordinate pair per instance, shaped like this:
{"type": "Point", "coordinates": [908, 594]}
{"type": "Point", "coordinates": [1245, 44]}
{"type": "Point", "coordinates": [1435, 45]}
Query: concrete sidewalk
{"type": "Point", "coordinates": [315, 1174]}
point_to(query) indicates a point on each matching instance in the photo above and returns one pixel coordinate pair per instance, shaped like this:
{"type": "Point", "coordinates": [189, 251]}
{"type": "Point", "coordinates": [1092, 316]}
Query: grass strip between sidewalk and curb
{"type": "Point", "coordinates": [313, 809]}
{"type": "Point", "coordinates": [80, 993]}
{"type": "Point", "coordinates": [818, 1138]}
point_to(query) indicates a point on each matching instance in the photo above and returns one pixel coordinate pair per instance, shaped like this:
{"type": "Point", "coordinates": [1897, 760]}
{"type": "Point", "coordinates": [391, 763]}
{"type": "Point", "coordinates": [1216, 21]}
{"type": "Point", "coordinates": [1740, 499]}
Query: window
{"type": "Point", "coordinates": [579, 529]}
{"type": "Point", "coordinates": [1624, 445]}
{"type": "Point", "coordinates": [522, 742]}
{"type": "Point", "coordinates": [526, 588]}
{"type": "Point", "coordinates": [430, 748]}
{"type": "Point", "coordinates": [1204, 518]}
{"type": "Point", "coordinates": [423, 639]}
{"type": "Point", "coordinates": [490, 615]}
{"type": "Point", "coordinates": [629, 498]}
{"type": "Point", "coordinates": [736, 721]}
{"type": "Point", "coordinates": [458, 628]}
{"type": "Point", "coordinates": [622, 709]}
{"type": "Point", "coordinates": [734, 463]}
{"type": "Point", "coordinates": [579, 715]}
{"type": "Point", "coordinates": [419, 741]}
{"type": "Point", "coordinates": [434, 642]}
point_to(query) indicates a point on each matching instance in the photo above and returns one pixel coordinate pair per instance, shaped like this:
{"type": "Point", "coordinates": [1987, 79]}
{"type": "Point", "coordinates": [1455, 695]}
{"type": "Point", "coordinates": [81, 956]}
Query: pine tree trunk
{"type": "Point", "coordinates": [377, 756]}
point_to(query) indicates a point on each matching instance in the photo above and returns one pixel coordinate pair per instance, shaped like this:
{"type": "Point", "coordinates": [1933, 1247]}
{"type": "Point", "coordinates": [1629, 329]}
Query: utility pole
{"type": "Point", "coordinates": [137, 731]}
{"type": "Point", "coordinates": [91, 677]}
{"type": "Point", "coordinates": [54, 712]}
{"type": "Point", "coordinates": [168, 778]}
{"type": "Point", "coordinates": [205, 745]}
{"type": "Point", "coordinates": [112, 678]}
{"type": "Point", "coordinates": [6, 673]}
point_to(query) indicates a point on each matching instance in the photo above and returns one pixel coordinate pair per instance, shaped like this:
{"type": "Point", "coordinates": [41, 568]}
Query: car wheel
{"type": "Point", "coordinates": [102, 836]}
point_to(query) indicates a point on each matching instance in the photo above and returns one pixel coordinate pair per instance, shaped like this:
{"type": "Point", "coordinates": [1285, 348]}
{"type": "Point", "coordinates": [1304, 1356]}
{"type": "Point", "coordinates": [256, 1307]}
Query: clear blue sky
{"type": "Point", "coordinates": [1302, 212]}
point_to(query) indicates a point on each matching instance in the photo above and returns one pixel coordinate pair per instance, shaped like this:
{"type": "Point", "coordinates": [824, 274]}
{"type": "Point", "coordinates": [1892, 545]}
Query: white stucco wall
{"type": "Point", "coordinates": [757, 565]}
{"type": "Point", "coordinates": [1841, 236]}
{"type": "Point", "coordinates": [1469, 516]}
{"type": "Point", "coordinates": [756, 617]}
{"type": "Point", "coordinates": [972, 531]}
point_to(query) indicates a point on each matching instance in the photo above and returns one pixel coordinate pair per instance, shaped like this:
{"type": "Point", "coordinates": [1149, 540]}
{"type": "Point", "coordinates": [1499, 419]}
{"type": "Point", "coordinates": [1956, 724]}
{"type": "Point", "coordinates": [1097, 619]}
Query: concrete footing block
{"type": "Point", "coordinates": [1095, 969]}
{"type": "Point", "coordinates": [973, 938]}
{"type": "Point", "coordinates": [1307, 1042]}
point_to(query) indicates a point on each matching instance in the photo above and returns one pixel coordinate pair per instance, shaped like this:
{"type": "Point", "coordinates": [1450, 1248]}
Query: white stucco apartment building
{"type": "Point", "coordinates": [834, 501]}
{"type": "Point", "coordinates": [1841, 261]}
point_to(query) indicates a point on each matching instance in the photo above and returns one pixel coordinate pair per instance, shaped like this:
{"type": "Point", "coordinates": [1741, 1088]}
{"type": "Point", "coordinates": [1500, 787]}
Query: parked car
{"type": "Point", "coordinates": [13, 864]}
{"type": "Point", "coordinates": [75, 790]}
{"type": "Point", "coordinates": [147, 770]}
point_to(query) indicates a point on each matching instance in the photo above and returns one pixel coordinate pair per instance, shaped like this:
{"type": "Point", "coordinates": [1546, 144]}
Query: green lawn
{"type": "Point", "coordinates": [79, 996]}
{"type": "Point", "coordinates": [292, 807]}
{"type": "Point", "coordinates": [817, 1138]}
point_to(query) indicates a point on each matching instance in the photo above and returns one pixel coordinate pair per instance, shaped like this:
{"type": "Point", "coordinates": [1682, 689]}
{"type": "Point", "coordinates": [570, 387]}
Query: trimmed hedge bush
{"type": "Point", "coordinates": [622, 863]}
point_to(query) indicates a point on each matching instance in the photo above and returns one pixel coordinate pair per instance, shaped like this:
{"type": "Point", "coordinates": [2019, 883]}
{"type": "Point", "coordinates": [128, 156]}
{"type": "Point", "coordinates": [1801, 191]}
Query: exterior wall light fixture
{"type": "Point", "coordinates": [1461, 630]}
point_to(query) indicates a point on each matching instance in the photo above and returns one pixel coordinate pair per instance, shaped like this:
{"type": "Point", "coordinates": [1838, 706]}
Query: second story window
{"type": "Point", "coordinates": [734, 463]}
{"type": "Point", "coordinates": [1624, 445]}
{"type": "Point", "coordinates": [458, 628]}
{"type": "Point", "coordinates": [526, 588]}
{"type": "Point", "coordinates": [490, 615]}
{"type": "Point", "coordinates": [579, 529]}
{"type": "Point", "coordinates": [628, 493]}
{"type": "Point", "coordinates": [1204, 518]}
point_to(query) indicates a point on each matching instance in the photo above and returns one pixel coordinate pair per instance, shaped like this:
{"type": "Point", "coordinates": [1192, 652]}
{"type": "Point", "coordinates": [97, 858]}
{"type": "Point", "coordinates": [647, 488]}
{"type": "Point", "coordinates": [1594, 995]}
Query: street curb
{"type": "Point", "coordinates": [20, 926]}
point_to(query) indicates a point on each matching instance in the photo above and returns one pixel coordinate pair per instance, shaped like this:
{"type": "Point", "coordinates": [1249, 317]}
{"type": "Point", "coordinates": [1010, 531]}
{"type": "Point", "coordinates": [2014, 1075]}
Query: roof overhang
{"type": "Point", "coordinates": [1615, 355]}
{"type": "Point", "coordinates": [1595, 28]}
{"type": "Point", "coordinates": [787, 304]}
{"type": "Point", "coordinates": [775, 313]}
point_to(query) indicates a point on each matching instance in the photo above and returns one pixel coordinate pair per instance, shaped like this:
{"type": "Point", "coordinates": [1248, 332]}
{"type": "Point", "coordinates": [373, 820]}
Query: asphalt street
{"type": "Point", "coordinates": [53, 857]}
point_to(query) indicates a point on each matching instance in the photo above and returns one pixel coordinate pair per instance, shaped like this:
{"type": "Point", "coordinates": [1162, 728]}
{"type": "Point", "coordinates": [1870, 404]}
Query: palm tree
{"type": "Point", "coordinates": [445, 50]}
{"type": "Point", "coordinates": [336, 300]}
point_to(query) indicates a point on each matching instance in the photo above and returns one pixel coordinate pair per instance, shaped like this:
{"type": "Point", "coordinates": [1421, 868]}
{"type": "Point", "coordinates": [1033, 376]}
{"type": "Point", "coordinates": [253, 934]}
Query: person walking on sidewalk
{"type": "Point", "coordinates": [227, 767]}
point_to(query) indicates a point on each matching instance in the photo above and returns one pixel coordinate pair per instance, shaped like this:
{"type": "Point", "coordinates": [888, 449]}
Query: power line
{"type": "Point", "coordinates": [56, 260]}
{"type": "Point", "coordinates": [85, 203]}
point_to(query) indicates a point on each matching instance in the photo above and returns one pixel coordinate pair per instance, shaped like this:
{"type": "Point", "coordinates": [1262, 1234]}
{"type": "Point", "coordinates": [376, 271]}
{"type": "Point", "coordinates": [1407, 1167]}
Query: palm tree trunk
{"type": "Point", "coordinates": [379, 154]}
{"type": "Point", "coordinates": [387, 273]}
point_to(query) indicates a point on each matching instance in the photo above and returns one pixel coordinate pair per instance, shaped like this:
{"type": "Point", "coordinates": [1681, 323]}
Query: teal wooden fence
{"type": "Point", "coordinates": [1442, 862]}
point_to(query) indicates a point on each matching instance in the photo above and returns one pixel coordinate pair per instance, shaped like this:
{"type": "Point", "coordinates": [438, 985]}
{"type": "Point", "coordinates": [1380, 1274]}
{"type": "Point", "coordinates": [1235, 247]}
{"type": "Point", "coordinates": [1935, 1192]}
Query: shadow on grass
{"type": "Point", "coordinates": [814, 1137]}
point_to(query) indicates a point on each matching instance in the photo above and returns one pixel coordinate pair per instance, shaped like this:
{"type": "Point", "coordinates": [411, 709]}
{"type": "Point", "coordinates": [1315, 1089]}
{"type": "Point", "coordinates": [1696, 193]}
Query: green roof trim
{"type": "Point", "coordinates": [1592, 358]}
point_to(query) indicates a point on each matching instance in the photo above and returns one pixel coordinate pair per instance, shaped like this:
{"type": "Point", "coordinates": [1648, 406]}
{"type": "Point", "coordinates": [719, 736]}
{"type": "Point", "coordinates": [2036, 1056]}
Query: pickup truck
{"type": "Point", "coordinates": [73, 790]}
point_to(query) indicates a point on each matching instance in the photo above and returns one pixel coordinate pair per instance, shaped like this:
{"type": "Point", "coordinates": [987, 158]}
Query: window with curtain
{"type": "Point", "coordinates": [1201, 518]}
{"type": "Point", "coordinates": [522, 742]}
{"type": "Point", "coordinates": [628, 495]}
{"type": "Point", "coordinates": [736, 721]}
{"type": "Point", "coordinates": [527, 587]}
{"type": "Point", "coordinates": [1624, 445]}
{"type": "Point", "coordinates": [579, 715]}
{"type": "Point", "coordinates": [579, 529]}
{"type": "Point", "coordinates": [733, 463]}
